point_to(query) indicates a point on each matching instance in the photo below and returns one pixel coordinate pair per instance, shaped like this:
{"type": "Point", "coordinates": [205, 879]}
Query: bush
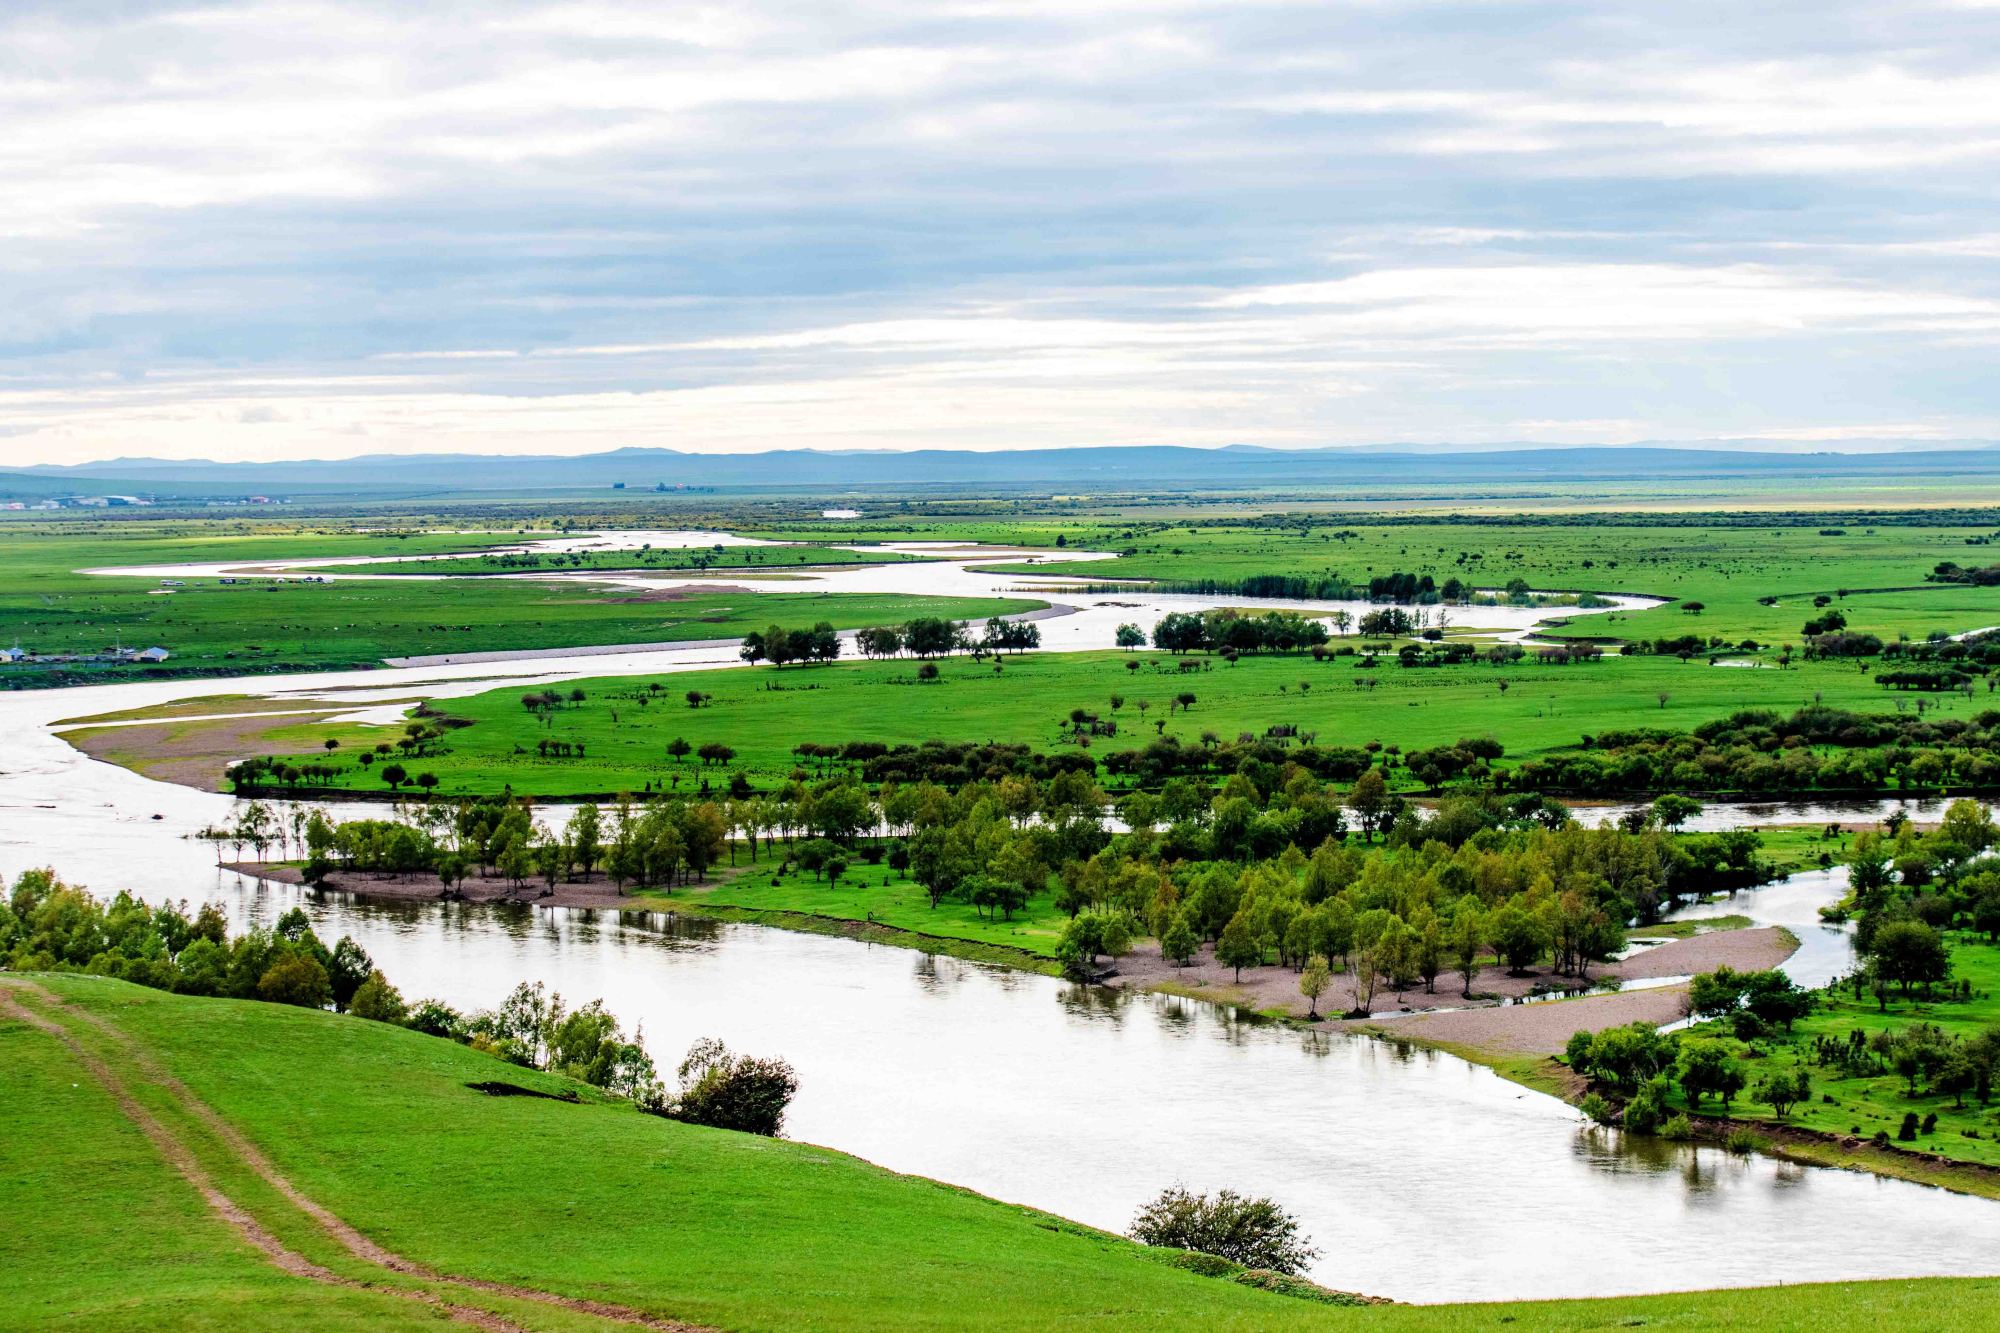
{"type": "Point", "coordinates": [1678, 1129]}
{"type": "Point", "coordinates": [296, 979]}
{"type": "Point", "coordinates": [1256, 1233]}
{"type": "Point", "coordinates": [1597, 1109]}
{"type": "Point", "coordinates": [1744, 1141]}
{"type": "Point", "coordinates": [727, 1091]}
{"type": "Point", "coordinates": [376, 999]}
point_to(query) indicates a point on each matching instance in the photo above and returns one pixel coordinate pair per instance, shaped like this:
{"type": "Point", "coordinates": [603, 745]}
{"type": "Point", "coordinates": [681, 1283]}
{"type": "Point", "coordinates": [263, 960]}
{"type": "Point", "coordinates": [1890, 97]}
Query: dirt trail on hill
{"type": "Point", "coordinates": [352, 1239]}
{"type": "Point", "coordinates": [233, 1214]}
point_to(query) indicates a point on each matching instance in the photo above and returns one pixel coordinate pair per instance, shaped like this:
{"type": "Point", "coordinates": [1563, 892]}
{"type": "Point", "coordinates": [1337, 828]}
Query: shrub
{"type": "Point", "coordinates": [727, 1091]}
{"type": "Point", "coordinates": [1678, 1129]}
{"type": "Point", "coordinates": [376, 999]}
{"type": "Point", "coordinates": [296, 979]}
{"type": "Point", "coordinates": [1256, 1233]}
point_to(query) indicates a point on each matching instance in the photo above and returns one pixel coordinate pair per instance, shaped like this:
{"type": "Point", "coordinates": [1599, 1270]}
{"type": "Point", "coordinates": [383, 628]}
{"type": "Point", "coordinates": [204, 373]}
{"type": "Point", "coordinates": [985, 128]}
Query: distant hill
{"type": "Point", "coordinates": [1137, 468]}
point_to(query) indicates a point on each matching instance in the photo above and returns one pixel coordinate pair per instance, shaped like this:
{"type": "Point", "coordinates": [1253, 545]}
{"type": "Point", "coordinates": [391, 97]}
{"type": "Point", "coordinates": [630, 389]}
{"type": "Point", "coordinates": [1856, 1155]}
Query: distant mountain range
{"type": "Point", "coordinates": [1138, 468]}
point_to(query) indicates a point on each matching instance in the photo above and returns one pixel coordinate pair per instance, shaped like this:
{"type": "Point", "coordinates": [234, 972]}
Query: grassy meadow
{"type": "Point", "coordinates": [722, 1230]}
{"type": "Point", "coordinates": [1858, 1106]}
{"type": "Point", "coordinates": [625, 724]}
{"type": "Point", "coordinates": [48, 605]}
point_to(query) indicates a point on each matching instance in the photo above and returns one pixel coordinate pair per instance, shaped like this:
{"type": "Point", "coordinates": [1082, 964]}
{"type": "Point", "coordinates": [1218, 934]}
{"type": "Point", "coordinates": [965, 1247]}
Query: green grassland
{"type": "Point", "coordinates": [877, 894]}
{"type": "Point", "coordinates": [763, 714]}
{"type": "Point", "coordinates": [1727, 567]}
{"type": "Point", "coordinates": [49, 606]}
{"type": "Point", "coordinates": [1861, 1105]}
{"type": "Point", "coordinates": [594, 1200]}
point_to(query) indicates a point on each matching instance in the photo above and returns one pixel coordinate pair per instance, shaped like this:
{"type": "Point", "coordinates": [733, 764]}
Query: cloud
{"type": "Point", "coordinates": [244, 229]}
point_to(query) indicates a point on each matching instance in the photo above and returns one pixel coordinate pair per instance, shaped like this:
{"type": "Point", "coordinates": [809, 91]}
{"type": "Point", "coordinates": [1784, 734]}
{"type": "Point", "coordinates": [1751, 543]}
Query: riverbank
{"type": "Point", "coordinates": [1495, 991]}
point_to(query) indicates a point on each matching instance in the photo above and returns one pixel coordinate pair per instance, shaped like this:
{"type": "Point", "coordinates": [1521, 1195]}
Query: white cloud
{"type": "Point", "coordinates": [568, 225]}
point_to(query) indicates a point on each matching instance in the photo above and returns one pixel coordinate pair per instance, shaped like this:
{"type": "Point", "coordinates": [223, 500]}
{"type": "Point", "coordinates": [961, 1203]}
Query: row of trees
{"type": "Point", "coordinates": [46, 925]}
{"type": "Point", "coordinates": [1759, 751]}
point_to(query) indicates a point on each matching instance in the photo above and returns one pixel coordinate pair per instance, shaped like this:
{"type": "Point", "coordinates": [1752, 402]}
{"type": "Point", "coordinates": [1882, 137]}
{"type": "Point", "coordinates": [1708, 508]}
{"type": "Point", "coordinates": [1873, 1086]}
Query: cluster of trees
{"type": "Point", "coordinates": [779, 645]}
{"type": "Point", "coordinates": [1950, 571]}
{"type": "Point", "coordinates": [1760, 751]}
{"type": "Point", "coordinates": [47, 926]}
{"type": "Point", "coordinates": [422, 738]}
{"type": "Point", "coordinates": [660, 842]}
{"type": "Point", "coordinates": [1229, 631]}
{"type": "Point", "coordinates": [931, 636]}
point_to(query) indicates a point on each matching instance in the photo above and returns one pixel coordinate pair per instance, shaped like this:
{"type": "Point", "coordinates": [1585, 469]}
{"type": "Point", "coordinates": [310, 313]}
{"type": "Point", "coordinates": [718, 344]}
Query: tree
{"type": "Point", "coordinates": [1256, 1233]}
{"type": "Point", "coordinates": [727, 1091]}
{"type": "Point", "coordinates": [1178, 944]}
{"type": "Point", "coordinates": [1673, 810]}
{"type": "Point", "coordinates": [1239, 948]}
{"type": "Point", "coordinates": [585, 837]}
{"type": "Point", "coordinates": [395, 775]}
{"type": "Point", "coordinates": [1369, 800]}
{"type": "Point", "coordinates": [1908, 952]}
{"type": "Point", "coordinates": [1517, 936]}
{"type": "Point", "coordinates": [1180, 632]}
{"type": "Point", "coordinates": [1704, 1067]}
{"type": "Point", "coordinates": [298, 979]}
{"type": "Point", "coordinates": [1783, 1089]}
{"type": "Point", "coordinates": [1130, 637]}
{"type": "Point", "coordinates": [1313, 983]}
{"type": "Point", "coordinates": [378, 1001]}
{"type": "Point", "coordinates": [1468, 934]}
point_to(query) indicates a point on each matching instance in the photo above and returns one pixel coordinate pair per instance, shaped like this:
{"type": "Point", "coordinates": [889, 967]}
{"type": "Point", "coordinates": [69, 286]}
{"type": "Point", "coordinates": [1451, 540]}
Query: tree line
{"type": "Point", "coordinates": [47, 926]}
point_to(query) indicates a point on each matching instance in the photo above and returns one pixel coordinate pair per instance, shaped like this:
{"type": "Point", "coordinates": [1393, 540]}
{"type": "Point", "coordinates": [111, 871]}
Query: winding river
{"type": "Point", "coordinates": [1421, 1177]}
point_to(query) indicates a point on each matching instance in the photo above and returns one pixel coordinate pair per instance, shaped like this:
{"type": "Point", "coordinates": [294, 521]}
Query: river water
{"type": "Point", "coordinates": [1421, 1177]}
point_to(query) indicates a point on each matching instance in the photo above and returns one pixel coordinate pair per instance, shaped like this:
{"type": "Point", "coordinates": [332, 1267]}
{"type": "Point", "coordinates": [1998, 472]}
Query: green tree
{"type": "Point", "coordinates": [1239, 947]}
{"type": "Point", "coordinates": [1313, 983]}
{"type": "Point", "coordinates": [584, 833]}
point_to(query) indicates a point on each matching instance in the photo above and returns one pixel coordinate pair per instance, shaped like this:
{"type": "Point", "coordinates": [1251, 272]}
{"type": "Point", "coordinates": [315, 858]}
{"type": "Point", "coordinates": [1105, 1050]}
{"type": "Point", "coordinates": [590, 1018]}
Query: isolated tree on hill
{"type": "Point", "coordinates": [1255, 1233]}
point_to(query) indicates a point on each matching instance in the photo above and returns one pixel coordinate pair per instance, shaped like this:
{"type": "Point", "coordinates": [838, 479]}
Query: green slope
{"type": "Point", "coordinates": [595, 1200]}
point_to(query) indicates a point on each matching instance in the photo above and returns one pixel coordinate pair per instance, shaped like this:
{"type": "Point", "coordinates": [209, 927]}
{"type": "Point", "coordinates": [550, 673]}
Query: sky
{"type": "Point", "coordinates": [282, 230]}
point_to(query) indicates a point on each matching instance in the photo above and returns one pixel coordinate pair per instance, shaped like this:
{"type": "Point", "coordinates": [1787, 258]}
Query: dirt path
{"type": "Point", "coordinates": [233, 1214]}
{"type": "Point", "coordinates": [350, 1238]}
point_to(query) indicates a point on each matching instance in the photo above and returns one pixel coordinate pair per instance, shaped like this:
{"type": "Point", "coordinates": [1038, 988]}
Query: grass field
{"type": "Point", "coordinates": [377, 1126]}
{"type": "Point", "coordinates": [762, 714]}
{"type": "Point", "coordinates": [48, 606]}
{"type": "Point", "coordinates": [1725, 567]}
{"type": "Point", "coordinates": [1873, 573]}
{"type": "Point", "coordinates": [1860, 1106]}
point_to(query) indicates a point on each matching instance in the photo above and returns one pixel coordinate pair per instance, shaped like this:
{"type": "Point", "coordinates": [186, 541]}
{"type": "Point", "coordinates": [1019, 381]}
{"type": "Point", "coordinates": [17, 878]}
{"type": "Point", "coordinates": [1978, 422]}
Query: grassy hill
{"type": "Point", "coordinates": [534, 1213]}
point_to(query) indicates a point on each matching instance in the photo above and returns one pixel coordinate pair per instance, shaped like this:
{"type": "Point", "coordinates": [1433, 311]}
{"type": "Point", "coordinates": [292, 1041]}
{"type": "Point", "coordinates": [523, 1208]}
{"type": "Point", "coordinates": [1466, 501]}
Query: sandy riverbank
{"type": "Point", "coordinates": [1277, 988]}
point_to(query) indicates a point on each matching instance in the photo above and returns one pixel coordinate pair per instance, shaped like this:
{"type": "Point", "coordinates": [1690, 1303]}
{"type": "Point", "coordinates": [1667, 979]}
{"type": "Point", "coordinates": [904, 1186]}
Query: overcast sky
{"type": "Point", "coordinates": [281, 230]}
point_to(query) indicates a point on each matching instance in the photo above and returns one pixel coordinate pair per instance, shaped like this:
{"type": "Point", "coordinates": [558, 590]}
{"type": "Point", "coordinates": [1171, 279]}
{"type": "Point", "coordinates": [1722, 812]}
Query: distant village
{"type": "Point", "coordinates": [18, 656]}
